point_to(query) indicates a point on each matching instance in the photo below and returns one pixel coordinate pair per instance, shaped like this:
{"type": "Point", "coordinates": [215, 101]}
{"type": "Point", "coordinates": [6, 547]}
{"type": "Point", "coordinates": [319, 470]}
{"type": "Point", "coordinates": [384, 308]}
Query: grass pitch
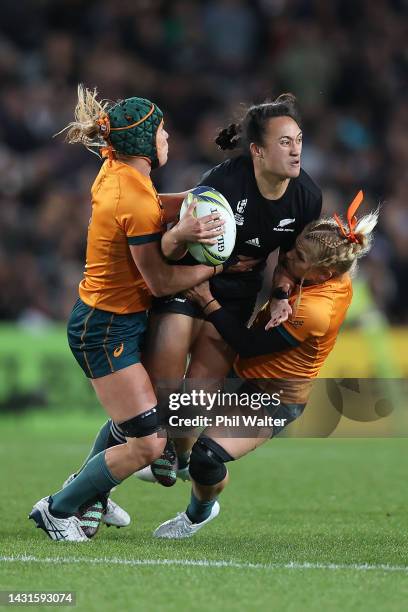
{"type": "Point", "coordinates": [304, 525]}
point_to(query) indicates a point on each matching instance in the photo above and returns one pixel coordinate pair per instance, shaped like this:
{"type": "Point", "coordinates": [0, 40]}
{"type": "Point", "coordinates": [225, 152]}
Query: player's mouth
{"type": "Point", "coordinates": [295, 163]}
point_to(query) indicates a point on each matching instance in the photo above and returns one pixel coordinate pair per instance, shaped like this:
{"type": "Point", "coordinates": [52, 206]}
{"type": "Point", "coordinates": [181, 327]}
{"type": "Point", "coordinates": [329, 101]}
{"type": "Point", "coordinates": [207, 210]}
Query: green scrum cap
{"type": "Point", "coordinates": [133, 125]}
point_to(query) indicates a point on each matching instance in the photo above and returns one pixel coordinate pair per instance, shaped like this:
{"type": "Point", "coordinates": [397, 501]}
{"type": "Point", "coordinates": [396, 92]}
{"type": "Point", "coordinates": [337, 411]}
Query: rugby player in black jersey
{"type": "Point", "coordinates": [273, 199]}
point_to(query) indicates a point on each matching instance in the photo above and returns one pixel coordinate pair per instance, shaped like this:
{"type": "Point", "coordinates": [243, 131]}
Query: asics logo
{"type": "Point", "coordinates": [53, 529]}
{"type": "Point", "coordinates": [118, 350]}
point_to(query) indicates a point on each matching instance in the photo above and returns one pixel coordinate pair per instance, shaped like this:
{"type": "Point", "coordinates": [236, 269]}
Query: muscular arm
{"type": "Point", "coordinates": [191, 229]}
{"type": "Point", "coordinates": [164, 279]}
{"type": "Point", "coordinates": [248, 342]}
{"type": "Point", "coordinates": [172, 247]}
{"type": "Point", "coordinates": [172, 203]}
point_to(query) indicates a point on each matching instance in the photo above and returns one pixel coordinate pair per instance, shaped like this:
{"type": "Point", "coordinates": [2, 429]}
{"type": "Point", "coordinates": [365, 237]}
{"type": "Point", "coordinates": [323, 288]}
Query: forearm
{"type": "Point", "coordinates": [172, 248]}
{"type": "Point", "coordinates": [247, 342]}
{"type": "Point", "coordinates": [173, 279]}
{"type": "Point", "coordinates": [172, 203]}
{"type": "Point", "coordinates": [283, 280]}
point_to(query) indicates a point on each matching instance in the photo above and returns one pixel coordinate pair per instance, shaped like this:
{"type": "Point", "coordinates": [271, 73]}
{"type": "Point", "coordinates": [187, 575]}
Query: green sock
{"type": "Point", "coordinates": [197, 511]}
{"type": "Point", "coordinates": [103, 440]}
{"type": "Point", "coordinates": [93, 480]}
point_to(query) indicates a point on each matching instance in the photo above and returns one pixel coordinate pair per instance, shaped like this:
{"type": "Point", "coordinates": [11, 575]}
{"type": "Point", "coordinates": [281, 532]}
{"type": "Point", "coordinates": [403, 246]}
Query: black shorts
{"type": "Point", "coordinates": [242, 308]}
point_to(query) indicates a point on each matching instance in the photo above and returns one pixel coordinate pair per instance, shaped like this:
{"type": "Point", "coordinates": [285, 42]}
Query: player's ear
{"type": "Point", "coordinates": [256, 150]}
{"type": "Point", "coordinates": [325, 274]}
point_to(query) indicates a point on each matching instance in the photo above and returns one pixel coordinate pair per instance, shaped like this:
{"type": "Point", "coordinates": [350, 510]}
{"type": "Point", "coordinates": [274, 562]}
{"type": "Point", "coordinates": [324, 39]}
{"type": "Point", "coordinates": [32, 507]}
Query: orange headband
{"type": "Point", "coordinates": [104, 125]}
{"type": "Point", "coordinates": [351, 218]}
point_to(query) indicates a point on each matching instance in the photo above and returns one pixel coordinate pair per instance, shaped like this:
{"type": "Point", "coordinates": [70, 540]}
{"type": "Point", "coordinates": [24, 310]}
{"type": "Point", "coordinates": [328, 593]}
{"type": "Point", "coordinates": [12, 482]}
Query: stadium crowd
{"type": "Point", "coordinates": [200, 61]}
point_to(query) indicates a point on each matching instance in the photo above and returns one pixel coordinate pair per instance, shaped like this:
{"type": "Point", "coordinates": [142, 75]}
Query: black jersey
{"type": "Point", "coordinates": [262, 225]}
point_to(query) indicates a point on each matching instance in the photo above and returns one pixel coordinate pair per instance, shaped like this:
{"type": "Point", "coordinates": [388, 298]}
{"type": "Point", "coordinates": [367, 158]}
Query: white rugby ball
{"type": "Point", "coordinates": [210, 201]}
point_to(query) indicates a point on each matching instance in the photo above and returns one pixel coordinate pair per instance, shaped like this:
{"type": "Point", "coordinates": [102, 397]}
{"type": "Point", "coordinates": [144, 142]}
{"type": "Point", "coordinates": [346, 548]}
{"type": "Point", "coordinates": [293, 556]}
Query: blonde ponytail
{"type": "Point", "coordinates": [366, 224]}
{"type": "Point", "coordinates": [86, 129]}
{"type": "Point", "coordinates": [328, 248]}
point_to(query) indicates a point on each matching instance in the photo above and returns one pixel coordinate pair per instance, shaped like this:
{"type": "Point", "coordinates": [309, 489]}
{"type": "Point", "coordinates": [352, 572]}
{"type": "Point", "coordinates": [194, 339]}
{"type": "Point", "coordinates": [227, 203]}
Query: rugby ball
{"type": "Point", "coordinates": [211, 201]}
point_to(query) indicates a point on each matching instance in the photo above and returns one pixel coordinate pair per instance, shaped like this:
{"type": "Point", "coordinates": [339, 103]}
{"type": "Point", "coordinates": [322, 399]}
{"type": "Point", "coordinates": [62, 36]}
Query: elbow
{"type": "Point", "coordinates": [160, 293]}
{"type": "Point", "coordinates": [157, 284]}
{"type": "Point", "coordinates": [155, 293]}
{"type": "Point", "coordinates": [158, 290]}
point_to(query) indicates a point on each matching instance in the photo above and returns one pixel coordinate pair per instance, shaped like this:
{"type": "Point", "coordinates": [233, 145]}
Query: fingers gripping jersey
{"type": "Point", "coordinates": [314, 324]}
{"type": "Point", "coordinates": [126, 210]}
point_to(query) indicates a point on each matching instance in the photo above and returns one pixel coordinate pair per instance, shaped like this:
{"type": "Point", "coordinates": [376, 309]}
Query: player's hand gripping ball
{"type": "Point", "coordinates": [210, 201]}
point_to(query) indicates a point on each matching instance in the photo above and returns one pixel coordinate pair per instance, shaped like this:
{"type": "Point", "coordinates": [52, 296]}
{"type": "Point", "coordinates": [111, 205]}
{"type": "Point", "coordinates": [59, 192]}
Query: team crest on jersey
{"type": "Point", "coordinates": [239, 215]}
{"type": "Point", "coordinates": [281, 227]}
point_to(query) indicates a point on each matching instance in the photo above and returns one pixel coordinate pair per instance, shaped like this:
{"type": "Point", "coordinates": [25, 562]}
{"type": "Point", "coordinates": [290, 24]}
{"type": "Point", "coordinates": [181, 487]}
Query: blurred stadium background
{"type": "Point", "coordinates": [345, 60]}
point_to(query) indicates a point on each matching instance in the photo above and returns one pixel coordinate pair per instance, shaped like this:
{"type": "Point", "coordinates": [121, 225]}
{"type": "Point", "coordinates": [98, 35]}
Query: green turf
{"type": "Point", "coordinates": [304, 501]}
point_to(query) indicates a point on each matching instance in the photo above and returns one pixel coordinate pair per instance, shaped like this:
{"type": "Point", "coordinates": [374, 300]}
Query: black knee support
{"type": "Point", "coordinates": [207, 461]}
{"type": "Point", "coordinates": [116, 435]}
{"type": "Point", "coordinates": [144, 424]}
{"type": "Point", "coordinates": [287, 413]}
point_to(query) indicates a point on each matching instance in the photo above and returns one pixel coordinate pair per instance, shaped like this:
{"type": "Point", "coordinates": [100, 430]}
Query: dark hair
{"type": "Point", "coordinates": [252, 126]}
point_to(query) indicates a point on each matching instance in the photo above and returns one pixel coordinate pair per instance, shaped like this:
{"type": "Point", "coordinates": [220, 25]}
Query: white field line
{"type": "Point", "coordinates": [293, 565]}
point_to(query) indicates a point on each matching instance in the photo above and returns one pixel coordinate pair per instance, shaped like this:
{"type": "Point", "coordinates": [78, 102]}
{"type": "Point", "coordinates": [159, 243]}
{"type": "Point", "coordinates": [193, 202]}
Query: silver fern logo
{"type": "Point", "coordinates": [281, 227]}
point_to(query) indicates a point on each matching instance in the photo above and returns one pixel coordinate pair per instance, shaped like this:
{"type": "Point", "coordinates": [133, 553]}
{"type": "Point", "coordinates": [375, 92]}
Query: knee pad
{"type": "Point", "coordinates": [116, 435]}
{"type": "Point", "coordinates": [144, 424]}
{"type": "Point", "coordinates": [207, 461]}
{"type": "Point", "coordinates": [288, 413]}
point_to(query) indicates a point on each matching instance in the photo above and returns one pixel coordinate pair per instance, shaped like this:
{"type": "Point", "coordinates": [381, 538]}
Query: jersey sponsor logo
{"type": "Point", "coordinates": [253, 242]}
{"type": "Point", "coordinates": [239, 217]}
{"type": "Point", "coordinates": [241, 206]}
{"type": "Point", "coordinates": [118, 350]}
{"type": "Point", "coordinates": [296, 322]}
{"type": "Point", "coordinates": [281, 227]}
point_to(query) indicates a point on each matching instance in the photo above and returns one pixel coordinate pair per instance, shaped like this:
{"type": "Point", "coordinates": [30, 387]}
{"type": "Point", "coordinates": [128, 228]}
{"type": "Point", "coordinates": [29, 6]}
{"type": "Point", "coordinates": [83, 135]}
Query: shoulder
{"type": "Point", "coordinates": [312, 314]}
{"type": "Point", "coordinates": [311, 318]}
{"type": "Point", "coordinates": [308, 185]}
{"type": "Point", "coordinates": [228, 168]}
{"type": "Point", "coordinates": [134, 184]}
{"type": "Point", "coordinates": [321, 307]}
{"type": "Point", "coordinates": [106, 188]}
{"type": "Point", "coordinates": [138, 198]}
{"type": "Point", "coordinates": [308, 197]}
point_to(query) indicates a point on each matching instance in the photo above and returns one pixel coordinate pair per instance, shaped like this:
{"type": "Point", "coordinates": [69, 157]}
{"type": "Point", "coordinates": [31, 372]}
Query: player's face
{"type": "Point", "coordinates": [162, 145]}
{"type": "Point", "coordinates": [297, 264]}
{"type": "Point", "coordinates": [295, 261]}
{"type": "Point", "coordinates": [280, 153]}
